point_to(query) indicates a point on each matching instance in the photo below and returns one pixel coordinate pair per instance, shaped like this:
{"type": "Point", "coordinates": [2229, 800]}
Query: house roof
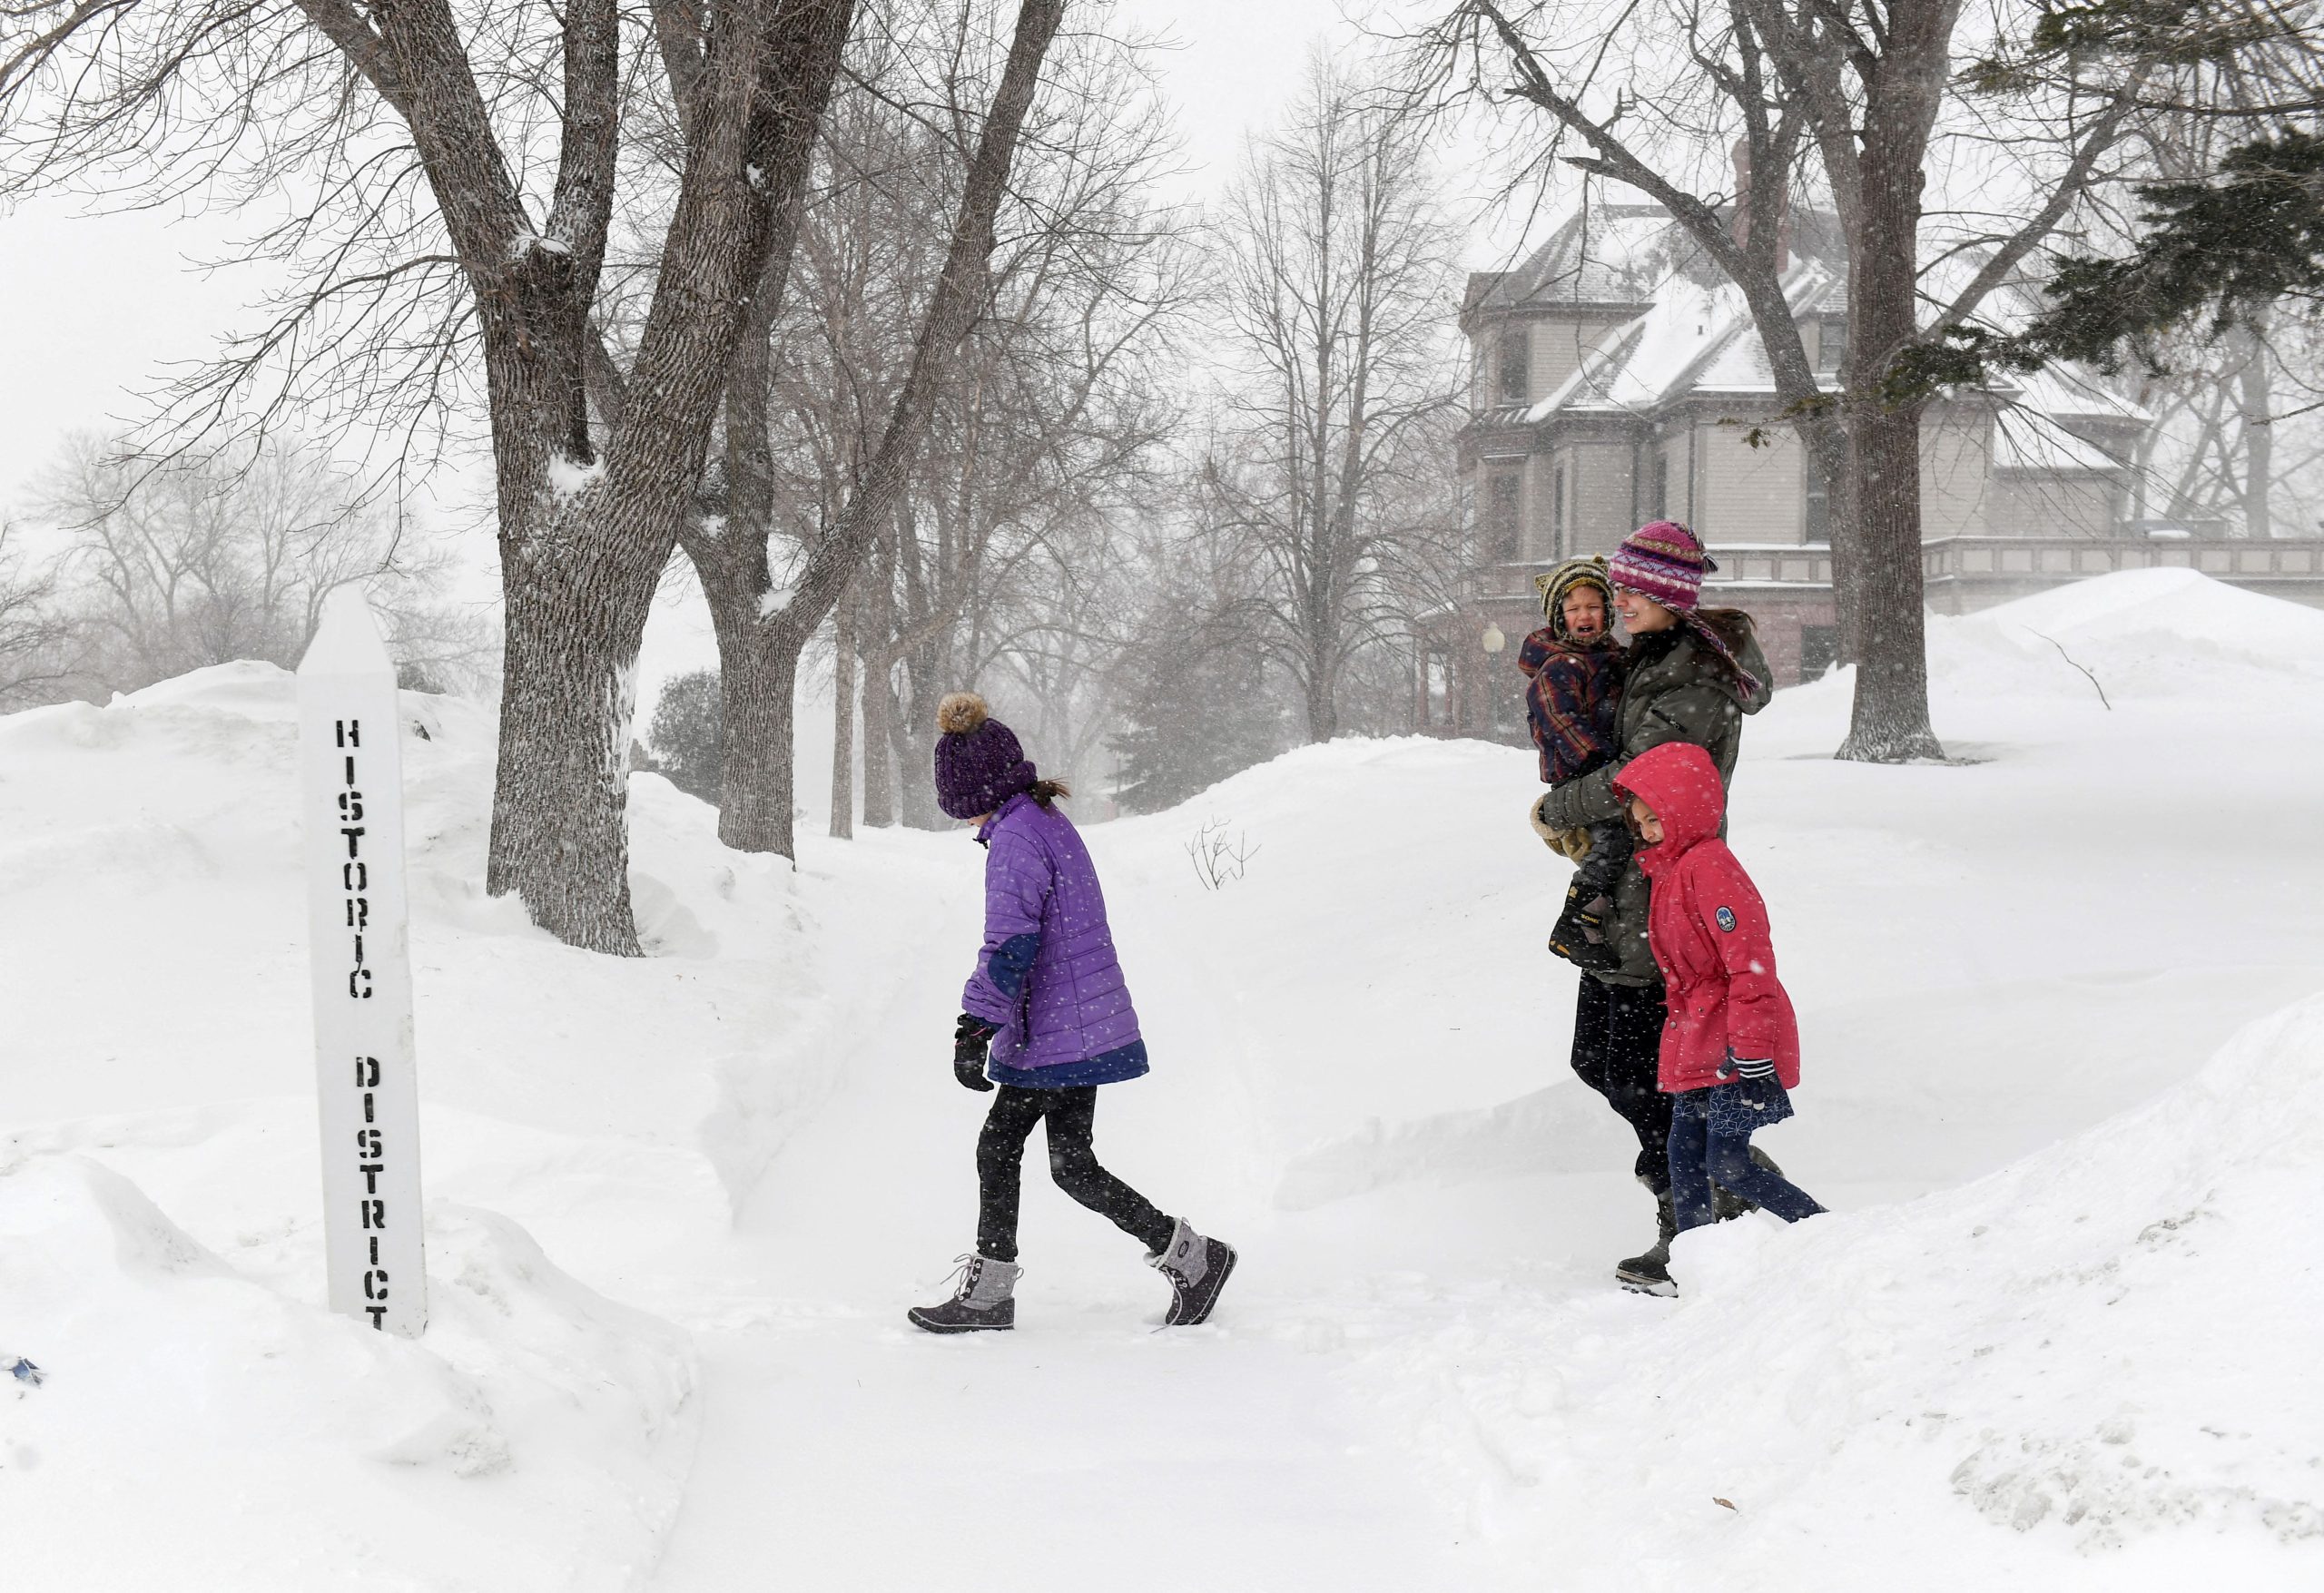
{"type": "Point", "coordinates": [1603, 254]}
{"type": "Point", "coordinates": [1693, 336]}
{"type": "Point", "coordinates": [2029, 438]}
{"type": "Point", "coordinates": [2069, 392]}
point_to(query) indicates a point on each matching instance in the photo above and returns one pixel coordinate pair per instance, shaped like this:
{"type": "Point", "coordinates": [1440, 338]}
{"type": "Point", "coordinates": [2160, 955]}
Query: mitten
{"type": "Point", "coordinates": [970, 1038]}
{"type": "Point", "coordinates": [1542, 827]}
{"type": "Point", "coordinates": [1571, 844]}
{"type": "Point", "coordinates": [1749, 1068]}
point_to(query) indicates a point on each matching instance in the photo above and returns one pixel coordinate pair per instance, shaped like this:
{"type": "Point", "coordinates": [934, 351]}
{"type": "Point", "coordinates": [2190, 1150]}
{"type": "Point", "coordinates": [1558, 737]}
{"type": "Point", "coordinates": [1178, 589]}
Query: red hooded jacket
{"type": "Point", "coordinates": [1709, 929]}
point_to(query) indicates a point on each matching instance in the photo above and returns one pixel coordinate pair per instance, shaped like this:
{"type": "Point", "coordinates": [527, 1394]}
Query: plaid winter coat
{"type": "Point", "coordinates": [1570, 691]}
{"type": "Point", "coordinates": [1048, 975]}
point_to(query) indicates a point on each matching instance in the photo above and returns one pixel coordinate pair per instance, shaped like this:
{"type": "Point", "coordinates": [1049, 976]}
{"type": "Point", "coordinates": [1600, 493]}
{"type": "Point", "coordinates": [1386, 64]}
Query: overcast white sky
{"type": "Point", "coordinates": [93, 307]}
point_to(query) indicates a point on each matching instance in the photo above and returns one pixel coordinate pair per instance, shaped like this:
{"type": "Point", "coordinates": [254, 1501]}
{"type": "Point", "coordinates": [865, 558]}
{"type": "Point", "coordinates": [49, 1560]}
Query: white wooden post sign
{"type": "Point", "coordinates": [351, 776]}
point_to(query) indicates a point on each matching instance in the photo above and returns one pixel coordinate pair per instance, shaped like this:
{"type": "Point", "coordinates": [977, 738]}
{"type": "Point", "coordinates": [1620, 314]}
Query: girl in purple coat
{"type": "Point", "coordinates": [1046, 1019]}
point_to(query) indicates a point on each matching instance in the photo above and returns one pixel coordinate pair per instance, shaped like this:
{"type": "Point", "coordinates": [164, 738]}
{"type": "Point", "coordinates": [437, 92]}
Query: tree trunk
{"type": "Point", "coordinates": [879, 756]}
{"type": "Point", "coordinates": [915, 738]}
{"type": "Point", "coordinates": [879, 626]}
{"type": "Point", "coordinates": [1323, 710]}
{"type": "Point", "coordinates": [2252, 400]}
{"type": "Point", "coordinates": [843, 719]}
{"type": "Point", "coordinates": [911, 806]}
{"type": "Point", "coordinates": [926, 682]}
{"type": "Point", "coordinates": [1889, 723]}
{"type": "Point", "coordinates": [559, 805]}
{"type": "Point", "coordinates": [756, 682]}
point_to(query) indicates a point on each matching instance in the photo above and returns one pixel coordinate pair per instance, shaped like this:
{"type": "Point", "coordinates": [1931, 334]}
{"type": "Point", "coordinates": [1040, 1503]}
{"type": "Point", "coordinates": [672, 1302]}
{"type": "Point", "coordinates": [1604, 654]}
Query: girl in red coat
{"type": "Point", "coordinates": [1730, 1046]}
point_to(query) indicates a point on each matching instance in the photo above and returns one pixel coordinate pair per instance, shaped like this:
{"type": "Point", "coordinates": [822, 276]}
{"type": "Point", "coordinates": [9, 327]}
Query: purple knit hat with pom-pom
{"type": "Point", "coordinates": [979, 764]}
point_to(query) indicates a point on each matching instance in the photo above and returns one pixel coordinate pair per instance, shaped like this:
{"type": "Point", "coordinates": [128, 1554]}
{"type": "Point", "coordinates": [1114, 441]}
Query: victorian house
{"type": "Point", "coordinates": [1617, 377]}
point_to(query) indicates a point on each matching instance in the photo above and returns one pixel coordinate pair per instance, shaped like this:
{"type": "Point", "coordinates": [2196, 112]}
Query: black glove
{"type": "Point", "coordinates": [971, 1037]}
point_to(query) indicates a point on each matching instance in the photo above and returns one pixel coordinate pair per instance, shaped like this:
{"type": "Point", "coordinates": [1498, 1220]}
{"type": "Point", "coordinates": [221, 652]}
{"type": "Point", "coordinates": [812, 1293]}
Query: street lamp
{"type": "Point", "coordinates": [1492, 642]}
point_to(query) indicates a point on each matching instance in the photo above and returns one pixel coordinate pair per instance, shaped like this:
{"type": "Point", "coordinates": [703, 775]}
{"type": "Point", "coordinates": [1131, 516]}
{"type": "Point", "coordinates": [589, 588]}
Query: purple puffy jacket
{"type": "Point", "coordinates": [1048, 975]}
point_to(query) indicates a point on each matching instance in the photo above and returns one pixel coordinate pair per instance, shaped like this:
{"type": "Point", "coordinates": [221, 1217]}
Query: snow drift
{"type": "Point", "coordinates": [158, 1058]}
{"type": "Point", "coordinates": [2104, 1341]}
{"type": "Point", "coordinates": [536, 1437]}
{"type": "Point", "coordinates": [162, 826]}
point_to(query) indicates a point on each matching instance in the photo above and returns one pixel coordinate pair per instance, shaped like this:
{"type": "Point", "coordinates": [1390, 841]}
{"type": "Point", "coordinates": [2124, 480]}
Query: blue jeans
{"type": "Point", "coordinates": [1711, 1142]}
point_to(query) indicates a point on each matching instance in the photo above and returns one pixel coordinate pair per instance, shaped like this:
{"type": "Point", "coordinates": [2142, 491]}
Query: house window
{"type": "Point", "coordinates": [1658, 486]}
{"type": "Point", "coordinates": [1557, 513]}
{"type": "Point", "coordinates": [1817, 502]}
{"type": "Point", "coordinates": [1504, 492]}
{"type": "Point", "coordinates": [1831, 346]}
{"type": "Point", "coordinates": [1516, 366]}
{"type": "Point", "coordinates": [1819, 649]}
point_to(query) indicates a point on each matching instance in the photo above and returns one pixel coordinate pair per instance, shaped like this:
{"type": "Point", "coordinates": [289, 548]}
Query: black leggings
{"type": "Point", "coordinates": [1072, 1116]}
{"type": "Point", "coordinates": [1617, 1051]}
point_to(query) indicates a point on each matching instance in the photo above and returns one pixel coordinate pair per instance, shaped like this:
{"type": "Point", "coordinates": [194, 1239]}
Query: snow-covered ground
{"type": "Point", "coordinates": [2065, 1091]}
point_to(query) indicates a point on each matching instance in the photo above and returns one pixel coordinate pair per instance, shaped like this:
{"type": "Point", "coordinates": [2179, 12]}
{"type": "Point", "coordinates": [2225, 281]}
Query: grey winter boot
{"type": "Point", "coordinates": [1650, 1274]}
{"type": "Point", "coordinates": [981, 1301]}
{"type": "Point", "coordinates": [1196, 1268]}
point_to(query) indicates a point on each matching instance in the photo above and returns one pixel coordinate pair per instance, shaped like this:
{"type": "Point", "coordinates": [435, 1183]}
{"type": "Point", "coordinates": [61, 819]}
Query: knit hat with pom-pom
{"type": "Point", "coordinates": [1662, 560]}
{"type": "Point", "coordinates": [979, 764]}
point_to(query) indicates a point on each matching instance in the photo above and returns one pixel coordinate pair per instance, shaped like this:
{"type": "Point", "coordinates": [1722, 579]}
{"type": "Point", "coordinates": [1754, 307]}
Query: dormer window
{"type": "Point", "coordinates": [1516, 361]}
{"type": "Point", "coordinates": [1831, 346]}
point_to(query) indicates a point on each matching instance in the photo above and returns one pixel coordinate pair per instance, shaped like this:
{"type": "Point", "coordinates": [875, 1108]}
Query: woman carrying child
{"type": "Point", "coordinates": [1729, 1056]}
{"type": "Point", "coordinates": [1047, 1017]}
{"type": "Point", "coordinates": [1690, 674]}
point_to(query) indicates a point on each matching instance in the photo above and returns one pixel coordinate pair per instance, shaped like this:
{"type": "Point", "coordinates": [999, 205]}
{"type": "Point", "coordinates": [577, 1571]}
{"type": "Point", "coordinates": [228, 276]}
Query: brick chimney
{"type": "Point", "coordinates": [1741, 223]}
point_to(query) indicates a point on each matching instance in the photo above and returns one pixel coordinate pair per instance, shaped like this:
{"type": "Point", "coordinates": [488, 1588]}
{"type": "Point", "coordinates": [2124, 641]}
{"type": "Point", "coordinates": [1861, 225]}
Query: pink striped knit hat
{"type": "Point", "coordinates": [1662, 560]}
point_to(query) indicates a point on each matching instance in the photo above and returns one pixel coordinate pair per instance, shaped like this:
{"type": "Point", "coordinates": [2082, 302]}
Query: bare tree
{"type": "Point", "coordinates": [2238, 436]}
{"type": "Point", "coordinates": [762, 632]}
{"type": "Point", "coordinates": [2207, 262]}
{"type": "Point", "coordinates": [1004, 557]}
{"type": "Point", "coordinates": [1337, 283]}
{"type": "Point", "coordinates": [189, 562]}
{"type": "Point", "coordinates": [1045, 407]}
{"type": "Point", "coordinates": [39, 648]}
{"type": "Point", "coordinates": [1195, 697]}
{"type": "Point", "coordinates": [463, 194]}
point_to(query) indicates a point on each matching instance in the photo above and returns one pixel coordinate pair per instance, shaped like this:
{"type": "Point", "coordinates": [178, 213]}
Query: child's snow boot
{"type": "Point", "coordinates": [1725, 1206]}
{"type": "Point", "coordinates": [1650, 1274]}
{"type": "Point", "coordinates": [981, 1301]}
{"type": "Point", "coordinates": [1196, 1268]}
{"type": "Point", "coordinates": [1579, 934]}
